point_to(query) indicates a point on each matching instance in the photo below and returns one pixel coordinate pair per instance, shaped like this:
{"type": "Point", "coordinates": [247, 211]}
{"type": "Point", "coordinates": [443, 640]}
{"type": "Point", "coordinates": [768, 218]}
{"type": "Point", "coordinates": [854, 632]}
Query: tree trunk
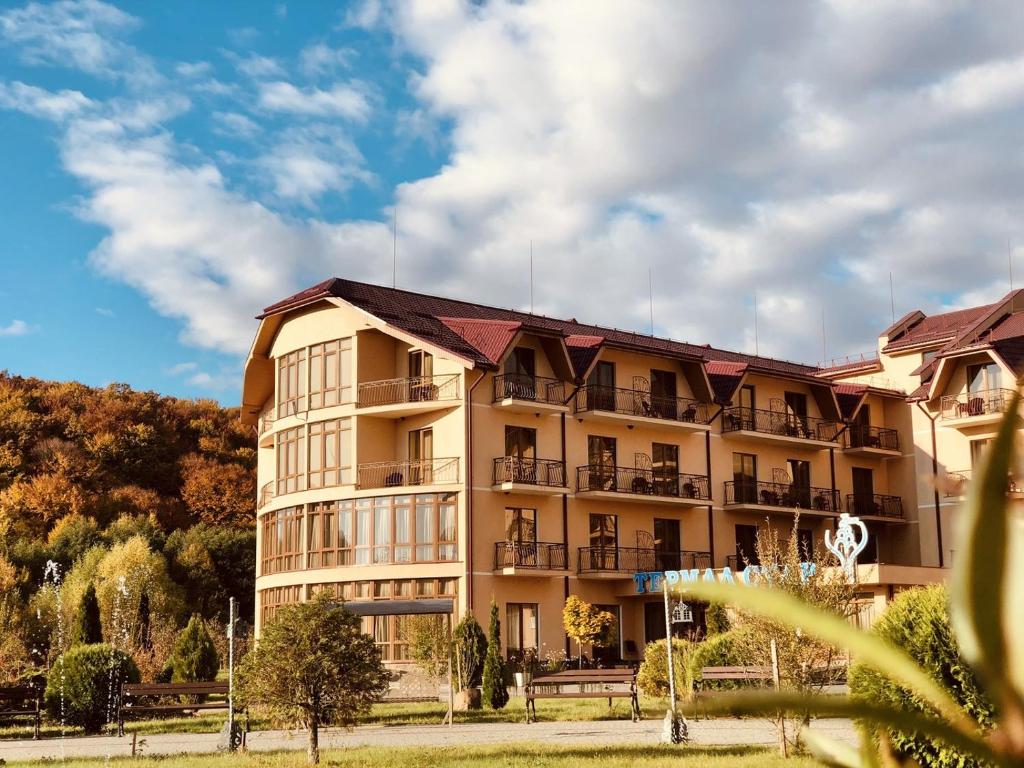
{"type": "Point", "coordinates": [313, 754]}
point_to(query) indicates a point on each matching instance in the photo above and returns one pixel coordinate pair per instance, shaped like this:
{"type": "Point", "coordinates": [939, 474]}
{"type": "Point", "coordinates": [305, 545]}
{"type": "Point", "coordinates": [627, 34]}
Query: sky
{"type": "Point", "coordinates": [171, 168]}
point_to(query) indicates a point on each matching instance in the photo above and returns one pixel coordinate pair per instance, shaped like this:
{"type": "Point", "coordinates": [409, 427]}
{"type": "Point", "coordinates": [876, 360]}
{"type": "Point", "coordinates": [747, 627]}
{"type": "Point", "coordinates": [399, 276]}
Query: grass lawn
{"type": "Point", "coordinates": [417, 713]}
{"type": "Point", "coordinates": [507, 756]}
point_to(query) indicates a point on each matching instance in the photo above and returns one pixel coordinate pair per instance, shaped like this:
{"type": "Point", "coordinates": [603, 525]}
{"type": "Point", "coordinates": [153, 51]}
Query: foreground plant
{"type": "Point", "coordinates": [987, 597]}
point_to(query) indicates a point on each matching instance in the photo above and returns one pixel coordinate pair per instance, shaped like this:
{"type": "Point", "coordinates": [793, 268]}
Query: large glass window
{"type": "Point", "coordinates": [291, 461]}
{"type": "Point", "coordinates": [983, 377]}
{"type": "Point", "coordinates": [520, 525]}
{"type": "Point", "coordinates": [291, 383]}
{"type": "Point", "coordinates": [273, 598]}
{"type": "Point", "coordinates": [521, 626]}
{"type": "Point", "coordinates": [744, 477]}
{"type": "Point", "coordinates": [330, 453]}
{"type": "Point", "coordinates": [330, 373]}
{"type": "Point", "coordinates": [282, 540]}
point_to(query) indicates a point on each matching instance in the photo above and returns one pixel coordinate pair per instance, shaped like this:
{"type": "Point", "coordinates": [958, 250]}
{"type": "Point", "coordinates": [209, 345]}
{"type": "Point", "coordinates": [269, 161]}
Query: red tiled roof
{"type": "Point", "coordinates": [938, 328]}
{"type": "Point", "coordinates": [490, 337]}
{"type": "Point", "coordinates": [855, 365]}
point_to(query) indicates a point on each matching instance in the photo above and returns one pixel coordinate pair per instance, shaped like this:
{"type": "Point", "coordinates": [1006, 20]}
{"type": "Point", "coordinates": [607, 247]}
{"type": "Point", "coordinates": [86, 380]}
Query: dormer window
{"type": "Point", "coordinates": [981, 378]}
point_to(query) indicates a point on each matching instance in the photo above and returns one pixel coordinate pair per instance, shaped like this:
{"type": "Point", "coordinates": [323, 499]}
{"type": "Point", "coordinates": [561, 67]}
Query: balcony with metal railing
{"type": "Point", "coordinates": [866, 440]}
{"type": "Point", "coordinates": [534, 476]}
{"type": "Point", "coordinates": [875, 505]}
{"type": "Point", "coordinates": [955, 485]}
{"type": "Point", "coordinates": [265, 427]}
{"type": "Point", "coordinates": [780, 427]}
{"type": "Point", "coordinates": [614, 562]}
{"type": "Point", "coordinates": [634, 406]}
{"type": "Point", "coordinates": [530, 394]}
{"type": "Point", "coordinates": [266, 495]}
{"type": "Point", "coordinates": [397, 398]}
{"type": "Point", "coordinates": [597, 481]}
{"type": "Point", "coordinates": [530, 558]}
{"type": "Point", "coordinates": [783, 498]}
{"type": "Point", "coordinates": [399, 474]}
{"type": "Point", "coordinates": [969, 409]}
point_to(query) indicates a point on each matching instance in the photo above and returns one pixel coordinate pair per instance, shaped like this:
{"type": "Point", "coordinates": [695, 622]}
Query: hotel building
{"type": "Point", "coordinates": [416, 446]}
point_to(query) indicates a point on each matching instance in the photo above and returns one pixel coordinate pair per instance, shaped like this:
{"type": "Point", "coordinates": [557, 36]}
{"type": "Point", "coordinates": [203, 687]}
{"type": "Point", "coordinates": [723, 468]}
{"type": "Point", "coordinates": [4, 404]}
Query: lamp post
{"type": "Point", "coordinates": [674, 729]}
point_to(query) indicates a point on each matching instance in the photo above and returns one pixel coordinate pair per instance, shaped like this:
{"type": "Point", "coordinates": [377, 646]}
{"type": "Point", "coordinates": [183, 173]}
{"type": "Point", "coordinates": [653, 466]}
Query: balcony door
{"type": "Point", "coordinates": [663, 394]}
{"type": "Point", "coordinates": [521, 374]}
{"type": "Point", "coordinates": [520, 452]}
{"type": "Point", "coordinates": [602, 460]}
{"type": "Point", "coordinates": [667, 545]}
{"type": "Point", "coordinates": [601, 385]}
{"type": "Point", "coordinates": [665, 464]}
{"type": "Point", "coordinates": [860, 434]}
{"type": "Point", "coordinates": [796, 409]}
{"type": "Point", "coordinates": [421, 456]}
{"type": "Point", "coordinates": [983, 377]}
{"type": "Point", "coordinates": [748, 403]}
{"type": "Point", "coordinates": [744, 477]}
{"type": "Point", "coordinates": [604, 542]}
{"type": "Point", "coordinates": [521, 535]}
{"type": "Point", "coordinates": [421, 371]}
{"type": "Point", "coordinates": [863, 491]}
{"type": "Point", "coordinates": [746, 546]}
{"type": "Point", "coordinates": [800, 489]}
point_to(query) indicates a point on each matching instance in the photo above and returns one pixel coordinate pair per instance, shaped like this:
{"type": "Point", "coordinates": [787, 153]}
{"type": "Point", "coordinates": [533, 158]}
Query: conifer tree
{"type": "Point", "coordinates": [495, 693]}
{"type": "Point", "coordinates": [194, 658]}
{"type": "Point", "coordinates": [89, 628]}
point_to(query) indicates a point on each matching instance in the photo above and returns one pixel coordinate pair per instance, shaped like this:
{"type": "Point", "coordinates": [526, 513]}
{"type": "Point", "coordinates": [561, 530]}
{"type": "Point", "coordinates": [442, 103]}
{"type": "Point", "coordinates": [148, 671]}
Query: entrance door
{"type": "Point", "coordinates": [520, 454]}
{"type": "Point", "coordinates": [744, 477]}
{"type": "Point", "coordinates": [602, 460]}
{"type": "Point", "coordinates": [800, 490]}
{"type": "Point", "coordinates": [601, 386]}
{"type": "Point", "coordinates": [863, 491]}
{"type": "Point", "coordinates": [663, 394]}
{"type": "Point", "coordinates": [421, 456]}
{"type": "Point", "coordinates": [520, 374]}
{"type": "Point", "coordinates": [667, 545]}
{"type": "Point", "coordinates": [746, 546]}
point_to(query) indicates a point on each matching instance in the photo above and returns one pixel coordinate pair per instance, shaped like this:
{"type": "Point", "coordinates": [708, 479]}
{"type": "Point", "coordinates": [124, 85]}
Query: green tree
{"type": "Point", "coordinates": [194, 657]}
{"type": "Point", "coordinates": [470, 652]}
{"type": "Point", "coordinates": [652, 679]}
{"type": "Point", "coordinates": [313, 664]}
{"type": "Point", "coordinates": [90, 631]}
{"type": "Point", "coordinates": [586, 624]}
{"type": "Point", "coordinates": [85, 683]}
{"type": "Point", "coordinates": [495, 693]}
{"type": "Point", "coordinates": [429, 643]}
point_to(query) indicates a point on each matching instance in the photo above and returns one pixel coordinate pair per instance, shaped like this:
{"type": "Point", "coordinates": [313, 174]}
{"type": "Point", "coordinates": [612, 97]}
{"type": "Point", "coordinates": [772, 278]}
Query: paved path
{"type": "Point", "coordinates": [591, 733]}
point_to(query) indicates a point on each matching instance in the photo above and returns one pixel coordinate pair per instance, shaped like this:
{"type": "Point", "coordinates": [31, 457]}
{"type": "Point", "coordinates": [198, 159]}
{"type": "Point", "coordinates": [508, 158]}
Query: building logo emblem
{"type": "Point", "coordinates": [846, 547]}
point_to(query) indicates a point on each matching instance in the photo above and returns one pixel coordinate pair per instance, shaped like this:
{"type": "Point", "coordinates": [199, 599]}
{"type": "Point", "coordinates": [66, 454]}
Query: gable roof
{"type": "Point", "coordinates": [936, 329]}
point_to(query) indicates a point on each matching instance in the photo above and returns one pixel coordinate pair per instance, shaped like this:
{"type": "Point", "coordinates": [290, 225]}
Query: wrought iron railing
{"type": "Point", "coordinates": [956, 483]}
{"type": "Point", "coordinates": [634, 559]}
{"type": "Point", "coordinates": [634, 402]}
{"type": "Point", "coordinates": [266, 495]}
{"type": "Point", "coordinates": [392, 474]}
{"type": "Point", "coordinates": [781, 423]}
{"type": "Point", "coordinates": [865, 436]}
{"type": "Point", "coordinates": [966, 404]}
{"type": "Point", "coordinates": [265, 423]}
{"type": "Point", "coordinates": [537, 389]}
{"type": "Point", "coordinates": [413, 389]}
{"type": "Point", "coordinates": [545, 472]}
{"type": "Point", "coordinates": [765, 494]}
{"type": "Point", "coordinates": [541, 555]}
{"type": "Point", "coordinates": [647, 482]}
{"type": "Point", "coordinates": [874, 504]}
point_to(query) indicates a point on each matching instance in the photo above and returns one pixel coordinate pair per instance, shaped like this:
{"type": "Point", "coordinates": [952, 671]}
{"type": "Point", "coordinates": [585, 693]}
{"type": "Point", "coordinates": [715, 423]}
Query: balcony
{"type": "Point", "coordinates": [957, 482]}
{"type": "Point", "coordinates": [620, 483]}
{"type": "Point", "coordinates": [970, 409]}
{"type": "Point", "coordinates": [618, 562]}
{"type": "Point", "coordinates": [534, 476]}
{"type": "Point", "coordinates": [783, 498]}
{"type": "Point", "coordinates": [266, 495]}
{"type": "Point", "coordinates": [875, 505]}
{"type": "Point", "coordinates": [780, 427]}
{"type": "Point", "coordinates": [633, 406]}
{"type": "Point", "coordinates": [529, 394]}
{"type": "Point", "coordinates": [864, 440]}
{"type": "Point", "coordinates": [264, 429]}
{"type": "Point", "coordinates": [397, 398]}
{"type": "Point", "coordinates": [529, 558]}
{"type": "Point", "coordinates": [399, 474]}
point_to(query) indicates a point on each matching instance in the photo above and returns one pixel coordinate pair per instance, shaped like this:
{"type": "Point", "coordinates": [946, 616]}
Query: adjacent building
{"type": "Point", "coordinates": [415, 446]}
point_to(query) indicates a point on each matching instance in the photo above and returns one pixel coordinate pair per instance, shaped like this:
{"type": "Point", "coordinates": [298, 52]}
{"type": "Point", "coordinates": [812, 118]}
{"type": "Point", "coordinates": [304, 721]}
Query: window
{"type": "Point", "coordinates": [421, 364]}
{"type": "Point", "coordinates": [744, 477]}
{"type": "Point", "coordinates": [291, 383]}
{"type": "Point", "coordinates": [330, 453]}
{"type": "Point", "coordinates": [983, 377]}
{"type": "Point", "coordinates": [665, 465]}
{"type": "Point", "coordinates": [522, 362]}
{"type": "Point", "coordinates": [273, 598]}
{"type": "Point", "coordinates": [747, 406]}
{"type": "Point", "coordinates": [291, 461]}
{"type": "Point", "coordinates": [330, 373]}
{"type": "Point", "coordinates": [796, 411]}
{"type": "Point", "coordinates": [601, 384]}
{"type": "Point", "coordinates": [746, 546]}
{"type": "Point", "coordinates": [860, 431]}
{"type": "Point", "coordinates": [281, 541]}
{"type": "Point", "coordinates": [601, 458]}
{"type": "Point", "coordinates": [663, 394]}
{"type": "Point", "coordinates": [520, 525]}
{"type": "Point", "coordinates": [421, 455]}
{"type": "Point", "coordinates": [800, 472]}
{"type": "Point", "coordinates": [604, 542]}
{"type": "Point", "coordinates": [383, 529]}
{"type": "Point", "coordinates": [667, 545]}
{"type": "Point", "coordinates": [521, 626]}
{"type": "Point", "coordinates": [978, 452]}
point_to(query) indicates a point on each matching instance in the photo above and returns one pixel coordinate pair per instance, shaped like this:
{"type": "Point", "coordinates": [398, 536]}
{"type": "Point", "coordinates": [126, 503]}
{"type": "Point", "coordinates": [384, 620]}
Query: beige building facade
{"type": "Point", "coordinates": [412, 446]}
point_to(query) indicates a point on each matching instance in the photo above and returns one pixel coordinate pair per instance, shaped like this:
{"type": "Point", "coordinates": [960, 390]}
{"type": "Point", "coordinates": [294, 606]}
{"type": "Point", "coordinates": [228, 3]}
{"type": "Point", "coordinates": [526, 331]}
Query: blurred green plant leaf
{"type": "Point", "coordinates": [832, 751]}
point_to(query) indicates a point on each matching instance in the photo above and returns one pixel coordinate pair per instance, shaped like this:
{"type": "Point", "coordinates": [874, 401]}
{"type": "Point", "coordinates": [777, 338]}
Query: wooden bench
{"type": "Point", "coordinates": [21, 701]}
{"type": "Point", "coordinates": [152, 699]}
{"type": "Point", "coordinates": [747, 674]}
{"type": "Point", "coordinates": [599, 680]}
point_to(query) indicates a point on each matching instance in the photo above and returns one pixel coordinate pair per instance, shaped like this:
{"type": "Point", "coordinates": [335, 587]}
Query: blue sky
{"type": "Point", "coordinates": [172, 168]}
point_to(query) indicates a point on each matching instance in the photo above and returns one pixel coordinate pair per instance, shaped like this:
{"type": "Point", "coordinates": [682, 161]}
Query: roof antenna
{"type": "Point", "coordinates": [531, 277]}
{"type": "Point", "coordinates": [394, 247]}
{"type": "Point", "coordinates": [650, 289]}
{"type": "Point", "coordinates": [1009, 261]}
{"type": "Point", "coordinates": [756, 352]}
{"type": "Point", "coordinates": [824, 353]}
{"type": "Point", "coordinates": [892, 300]}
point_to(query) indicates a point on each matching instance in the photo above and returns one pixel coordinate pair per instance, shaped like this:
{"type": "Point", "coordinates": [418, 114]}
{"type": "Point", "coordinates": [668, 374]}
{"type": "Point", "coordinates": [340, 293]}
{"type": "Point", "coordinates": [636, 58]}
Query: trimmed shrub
{"type": "Point", "coordinates": [717, 619]}
{"type": "Point", "coordinates": [918, 622]}
{"type": "Point", "coordinates": [90, 676]}
{"type": "Point", "coordinates": [652, 678]}
{"type": "Point", "coordinates": [717, 651]}
{"type": "Point", "coordinates": [194, 658]}
{"type": "Point", "coordinates": [470, 652]}
{"type": "Point", "coordinates": [495, 693]}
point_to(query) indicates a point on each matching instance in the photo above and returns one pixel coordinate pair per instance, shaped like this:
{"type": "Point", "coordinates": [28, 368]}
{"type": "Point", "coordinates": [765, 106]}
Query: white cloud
{"type": "Point", "coordinates": [322, 59]}
{"type": "Point", "coordinates": [105, 312]}
{"type": "Point", "coordinates": [42, 103]}
{"type": "Point", "coordinates": [179, 368]}
{"type": "Point", "coordinates": [16, 328]}
{"type": "Point", "coordinates": [340, 100]}
{"type": "Point", "coordinates": [235, 125]}
{"type": "Point", "coordinates": [308, 162]}
{"type": "Point", "coordinates": [193, 69]}
{"type": "Point", "coordinates": [255, 66]}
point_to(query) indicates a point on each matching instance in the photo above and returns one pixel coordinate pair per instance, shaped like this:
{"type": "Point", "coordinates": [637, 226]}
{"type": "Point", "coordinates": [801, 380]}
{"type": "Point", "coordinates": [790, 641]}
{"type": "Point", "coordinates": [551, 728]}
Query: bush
{"type": "Point", "coordinates": [653, 675]}
{"type": "Point", "coordinates": [716, 618]}
{"type": "Point", "coordinates": [90, 676]}
{"type": "Point", "coordinates": [918, 622]}
{"type": "Point", "coordinates": [194, 658]}
{"type": "Point", "coordinates": [495, 693]}
{"type": "Point", "coordinates": [717, 651]}
{"type": "Point", "coordinates": [470, 652]}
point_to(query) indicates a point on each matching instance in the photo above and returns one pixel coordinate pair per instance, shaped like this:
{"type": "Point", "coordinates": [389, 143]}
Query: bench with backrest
{"type": "Point", "coordinates": [21, 701]}
{"type": "Point", "coordinates": [743, 674]}
{"type": "Point", "coordinates": [162, 699]}
{"type": "Point", "coordinates": [585, 684]}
